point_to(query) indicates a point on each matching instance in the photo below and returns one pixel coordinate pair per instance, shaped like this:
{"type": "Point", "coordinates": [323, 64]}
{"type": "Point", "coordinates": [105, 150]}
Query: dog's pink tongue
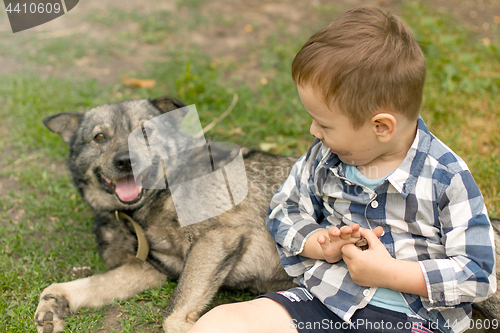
{"type": "Point", "coordinates": [127, 189]}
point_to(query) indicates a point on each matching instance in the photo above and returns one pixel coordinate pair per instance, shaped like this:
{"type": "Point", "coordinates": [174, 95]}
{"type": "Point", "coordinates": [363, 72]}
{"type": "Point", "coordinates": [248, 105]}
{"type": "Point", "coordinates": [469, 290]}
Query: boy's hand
{"type": "Point", "coordinates": [368, 268]}
{"type": "Point", "coordinates": [332, 243]}
{"type": "Point", "coordinates": [375, 267]}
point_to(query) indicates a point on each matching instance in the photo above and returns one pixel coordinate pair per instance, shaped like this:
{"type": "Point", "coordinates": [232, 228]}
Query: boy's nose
{"type": "Point", "coordinates": [314, 131]}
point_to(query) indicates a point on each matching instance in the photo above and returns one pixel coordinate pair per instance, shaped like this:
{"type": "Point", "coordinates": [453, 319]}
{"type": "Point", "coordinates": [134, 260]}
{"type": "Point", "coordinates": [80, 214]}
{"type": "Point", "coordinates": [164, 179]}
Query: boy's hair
{"type": "Point", "coordinates": [366, 60]}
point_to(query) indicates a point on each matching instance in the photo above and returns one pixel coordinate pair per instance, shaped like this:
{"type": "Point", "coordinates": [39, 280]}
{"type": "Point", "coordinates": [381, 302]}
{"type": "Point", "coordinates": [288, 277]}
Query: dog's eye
{"type": "Point", "coordinates": [100, 137]}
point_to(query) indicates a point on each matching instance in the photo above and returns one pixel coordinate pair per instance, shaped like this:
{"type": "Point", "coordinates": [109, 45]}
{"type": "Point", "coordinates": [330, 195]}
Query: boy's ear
{"type": "Point", "coordinates": [384, 126]}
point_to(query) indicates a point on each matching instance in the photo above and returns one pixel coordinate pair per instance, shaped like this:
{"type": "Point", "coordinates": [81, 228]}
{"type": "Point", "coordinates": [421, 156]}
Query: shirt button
{"type": "Point", "coordinates": [374, 204]}
{"type": "Point", "coordinates": [366, 292]}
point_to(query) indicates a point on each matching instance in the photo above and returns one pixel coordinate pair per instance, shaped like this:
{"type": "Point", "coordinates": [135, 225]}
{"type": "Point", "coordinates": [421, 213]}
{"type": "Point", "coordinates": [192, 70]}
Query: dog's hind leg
{"type": "Point", "coordinates": [59, 299]}
{"type": "Point", "coordinates": [209, 262]}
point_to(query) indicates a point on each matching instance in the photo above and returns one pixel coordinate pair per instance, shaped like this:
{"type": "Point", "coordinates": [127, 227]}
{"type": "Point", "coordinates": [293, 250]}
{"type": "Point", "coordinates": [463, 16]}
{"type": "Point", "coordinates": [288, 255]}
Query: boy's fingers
{"type": "Point", "coordinates": [378, 231]}
{"type": "Point", "coordinates": [346, 229]}
{"type": "Point", "coordinates": [345, 236]}
{"type": "Point", "coordinates": [372, 235]}
{"type": "Point", "coordinates": [334, 231]}
{"type": "Point", "coordinates": [345, 232]}
{"type": "Point", "coordinates": [321, 239]}
{"type": "Point", "coordinates": [356, 231]}
{"type": "Point", "coordinates": [349, 250]}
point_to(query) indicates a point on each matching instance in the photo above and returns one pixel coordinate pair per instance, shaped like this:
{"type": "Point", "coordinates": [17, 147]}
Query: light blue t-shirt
{"type": "Point", "coordinates": [383, 297]}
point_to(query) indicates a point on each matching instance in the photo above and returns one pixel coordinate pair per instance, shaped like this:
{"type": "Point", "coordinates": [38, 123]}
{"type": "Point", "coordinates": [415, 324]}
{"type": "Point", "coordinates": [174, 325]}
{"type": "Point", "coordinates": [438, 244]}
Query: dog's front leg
{"type": "Point", "coordinates": [59, 299]}
{"type": "Point", "coordinates": [210, 260]}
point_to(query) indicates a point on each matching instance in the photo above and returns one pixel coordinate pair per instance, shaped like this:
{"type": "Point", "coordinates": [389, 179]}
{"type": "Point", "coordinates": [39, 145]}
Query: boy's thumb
{"type": "Point", "coordinates": [378, 231]}
{"type": "Point", "coordinates": [372, 235]}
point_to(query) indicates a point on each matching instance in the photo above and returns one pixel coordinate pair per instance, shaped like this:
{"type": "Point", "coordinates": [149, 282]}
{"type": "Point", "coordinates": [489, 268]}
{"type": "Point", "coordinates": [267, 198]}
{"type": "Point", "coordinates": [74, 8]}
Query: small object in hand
{"type": "Point", "coordinates": [362, 244]}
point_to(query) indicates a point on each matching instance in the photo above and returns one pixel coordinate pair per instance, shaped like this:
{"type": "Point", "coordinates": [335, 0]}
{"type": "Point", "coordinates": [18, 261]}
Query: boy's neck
{"type": "Point", "coordinates": [391, 159]}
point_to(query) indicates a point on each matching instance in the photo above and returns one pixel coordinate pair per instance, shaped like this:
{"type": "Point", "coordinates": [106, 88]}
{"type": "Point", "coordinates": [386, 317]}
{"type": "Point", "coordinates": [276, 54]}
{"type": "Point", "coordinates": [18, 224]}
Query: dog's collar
{"type": "Point", "coordinates": [143, 245]}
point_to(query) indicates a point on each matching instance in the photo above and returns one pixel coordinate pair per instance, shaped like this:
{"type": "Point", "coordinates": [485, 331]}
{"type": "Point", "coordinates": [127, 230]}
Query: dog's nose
{"type": "Point", "coordinates": [122, 162]}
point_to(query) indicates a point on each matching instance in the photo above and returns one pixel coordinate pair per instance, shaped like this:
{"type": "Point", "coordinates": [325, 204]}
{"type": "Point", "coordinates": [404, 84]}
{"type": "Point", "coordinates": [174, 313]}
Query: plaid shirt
{"type": "Point", "coordinates": [431, 210]}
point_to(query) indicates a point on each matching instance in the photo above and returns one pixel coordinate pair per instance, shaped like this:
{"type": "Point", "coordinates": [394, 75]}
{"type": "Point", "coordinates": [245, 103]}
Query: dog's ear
{"type": "Point", "coordinates": [65, 124]}
{"type": "Point", "coordinates": [166, 104]}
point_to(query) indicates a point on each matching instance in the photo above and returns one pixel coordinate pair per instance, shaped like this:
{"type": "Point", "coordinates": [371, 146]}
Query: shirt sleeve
{"type": "Point", "coordinates": [294, 212]}
{"type": "Point", "coordinates": [468, 273]}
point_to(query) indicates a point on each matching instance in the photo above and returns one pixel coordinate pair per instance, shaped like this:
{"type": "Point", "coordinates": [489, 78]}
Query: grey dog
{"type": "Point", "coordinates": [232, 249]}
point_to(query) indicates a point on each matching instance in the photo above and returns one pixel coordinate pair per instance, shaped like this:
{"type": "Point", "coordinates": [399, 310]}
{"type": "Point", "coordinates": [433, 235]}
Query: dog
{"type": "Point", "coordinates": [232, 249]}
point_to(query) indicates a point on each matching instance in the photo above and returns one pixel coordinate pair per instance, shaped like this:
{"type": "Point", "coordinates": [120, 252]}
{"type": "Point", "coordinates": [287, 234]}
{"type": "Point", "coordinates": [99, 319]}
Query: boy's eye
{"type": "Point", "coordinates": [100, 137]}
{"type": "Point", "coordinates": [318, 124]}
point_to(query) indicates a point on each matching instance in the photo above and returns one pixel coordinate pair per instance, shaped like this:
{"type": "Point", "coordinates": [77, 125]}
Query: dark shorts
{"type": "Point", "coordinates": [310, 315]}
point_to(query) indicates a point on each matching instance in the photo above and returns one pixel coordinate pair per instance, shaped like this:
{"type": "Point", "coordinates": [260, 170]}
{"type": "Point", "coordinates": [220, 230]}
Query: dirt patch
{"type": "Point", "coordinates": [13, 206]}
{"type": "Point", "coordinates": [13, 215]}
{"type": "Point", "coordinates": [111, 321]}
{"type": "Point", "coordinates": [482, 17]}
{"type": "Point", "coordinates": [7, 185]}
{"type": "Point", "coordinates": [233, 30]}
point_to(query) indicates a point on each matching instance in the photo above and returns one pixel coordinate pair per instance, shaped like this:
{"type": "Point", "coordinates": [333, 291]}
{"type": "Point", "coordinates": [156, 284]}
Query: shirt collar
{"type": "Point", "coordinates": [405, 176]}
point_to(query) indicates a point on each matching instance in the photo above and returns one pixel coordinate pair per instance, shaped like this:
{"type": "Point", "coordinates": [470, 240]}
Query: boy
{"type": "Point", "coordinates": [375, 172]}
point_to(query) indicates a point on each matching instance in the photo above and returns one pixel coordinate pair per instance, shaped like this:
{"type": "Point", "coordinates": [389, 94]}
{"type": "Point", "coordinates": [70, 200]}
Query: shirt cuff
{"type": "Point", "coordinates": [295, 241]}
{"type": "Point", "coordinates": [442, 284]}
{"type": "Point", "coordinates": [294, 265]}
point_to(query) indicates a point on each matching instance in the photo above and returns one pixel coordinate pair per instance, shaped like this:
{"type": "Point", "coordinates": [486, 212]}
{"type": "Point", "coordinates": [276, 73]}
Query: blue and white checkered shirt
{"type": "Point", "coordinates": [432, 213]}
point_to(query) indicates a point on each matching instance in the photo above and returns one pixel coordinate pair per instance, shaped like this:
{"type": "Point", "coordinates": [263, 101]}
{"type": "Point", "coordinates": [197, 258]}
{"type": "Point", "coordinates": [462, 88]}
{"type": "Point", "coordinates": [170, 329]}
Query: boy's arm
{"type": "Point", "coordinates": [467, 273]}
{"type": "Point", "coordinates": [294, 211]}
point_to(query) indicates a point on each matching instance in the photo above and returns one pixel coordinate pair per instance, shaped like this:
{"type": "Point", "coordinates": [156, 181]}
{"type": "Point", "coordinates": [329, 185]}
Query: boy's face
{"type": "Point", "coordinates": [356, 147]}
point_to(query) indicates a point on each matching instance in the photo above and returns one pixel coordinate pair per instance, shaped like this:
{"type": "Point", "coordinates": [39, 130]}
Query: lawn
{"type": "Point", "coordinates": [45, 228]}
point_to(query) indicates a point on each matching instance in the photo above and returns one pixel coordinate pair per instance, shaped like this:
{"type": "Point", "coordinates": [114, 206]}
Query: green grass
{"type": "Point", "coordinates": [54, 235]}
{"type": "Point", "coordinates": [461, 95]}
{"type": "Point", "coordinates": [153, 27]}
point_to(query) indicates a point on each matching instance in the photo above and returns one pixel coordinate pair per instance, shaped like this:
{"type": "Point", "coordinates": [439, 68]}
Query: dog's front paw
{"type": "Point", "coordinates": [173, 324]}
{"type": "Point", "coordinates": [50, 313]}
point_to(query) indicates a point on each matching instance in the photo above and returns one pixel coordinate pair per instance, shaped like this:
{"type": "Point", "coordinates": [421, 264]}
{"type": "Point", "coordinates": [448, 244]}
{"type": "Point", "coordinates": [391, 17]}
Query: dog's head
{"type": "Point", "coordinates": [100, 159]}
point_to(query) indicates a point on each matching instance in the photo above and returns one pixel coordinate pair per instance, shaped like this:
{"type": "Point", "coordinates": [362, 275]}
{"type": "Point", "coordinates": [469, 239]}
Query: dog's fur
{"type": "Point", "coordinates": [231, 250]}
